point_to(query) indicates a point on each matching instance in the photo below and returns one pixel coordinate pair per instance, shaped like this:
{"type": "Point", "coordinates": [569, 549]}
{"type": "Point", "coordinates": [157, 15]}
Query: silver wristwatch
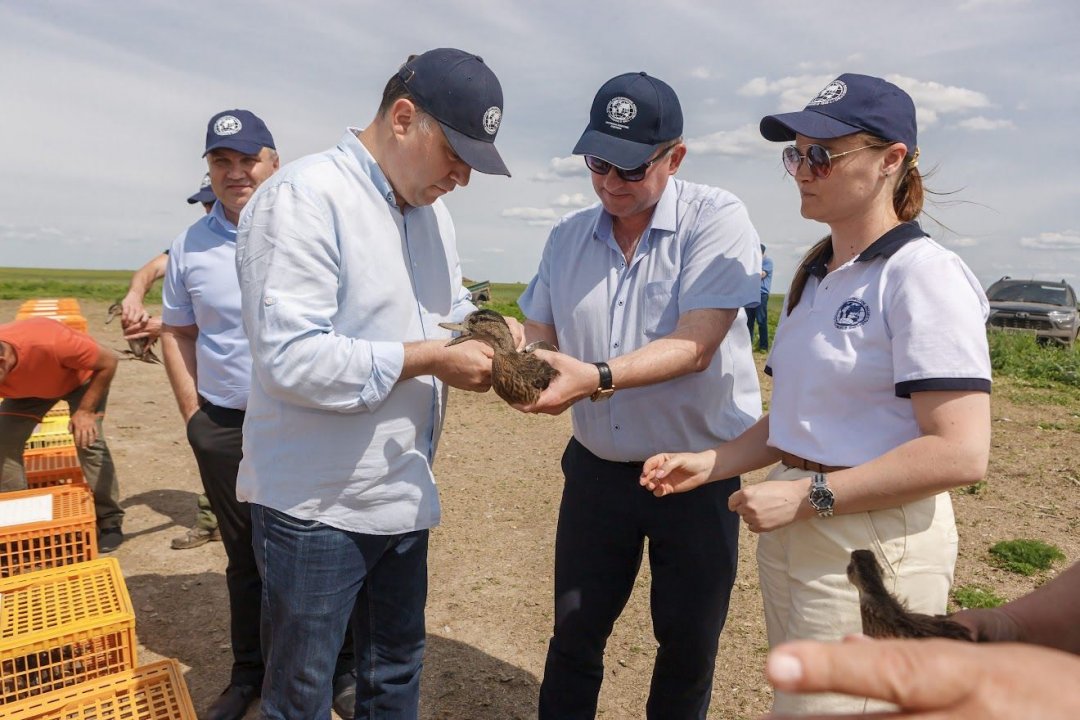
{"type": "Point", "coordinates": [821, 497]}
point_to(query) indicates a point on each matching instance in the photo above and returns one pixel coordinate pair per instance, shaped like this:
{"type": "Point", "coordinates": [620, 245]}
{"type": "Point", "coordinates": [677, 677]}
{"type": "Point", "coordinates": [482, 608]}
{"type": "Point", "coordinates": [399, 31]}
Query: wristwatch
{"type": "Point", "coordinates": [607, 386]}
{"type": "Point", "coordinates": [821, 497]}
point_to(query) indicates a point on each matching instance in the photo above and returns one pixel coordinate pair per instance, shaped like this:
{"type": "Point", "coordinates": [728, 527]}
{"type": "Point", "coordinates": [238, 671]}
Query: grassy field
{"type": "Point", "coordinates": [26, 283]}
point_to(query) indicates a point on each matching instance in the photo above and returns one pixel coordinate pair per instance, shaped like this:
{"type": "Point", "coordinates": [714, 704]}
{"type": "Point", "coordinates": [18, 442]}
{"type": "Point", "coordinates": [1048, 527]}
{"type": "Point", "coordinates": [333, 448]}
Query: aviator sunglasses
{"type": "Point", "coordinates": [602, 167]}
{"type": "Point", "coordinates": [818, 159]}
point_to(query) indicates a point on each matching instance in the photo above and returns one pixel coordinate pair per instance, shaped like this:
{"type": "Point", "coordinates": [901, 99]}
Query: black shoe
{"type": "Point", "coordinates": [232, 704]}
{"type": "Point", "coordinates": [110, 539]}
{"type": "Point", "coordinates": [345, 695]}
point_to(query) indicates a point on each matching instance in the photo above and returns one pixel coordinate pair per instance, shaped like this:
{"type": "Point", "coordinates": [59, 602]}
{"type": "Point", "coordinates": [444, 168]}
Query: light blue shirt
{"type": "Point", "coordinates": [766, 278]}
{"type": "Point", "coordinates": [700, 252]}
{"type": "Point", "coordinates": [334, 280]}
{"type": "Point", "coordinates": [201, 289]}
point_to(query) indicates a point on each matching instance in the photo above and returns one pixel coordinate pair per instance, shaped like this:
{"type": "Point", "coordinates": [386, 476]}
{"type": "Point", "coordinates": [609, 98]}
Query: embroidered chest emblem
{"type": "Point", "coordinates": [851, 314]}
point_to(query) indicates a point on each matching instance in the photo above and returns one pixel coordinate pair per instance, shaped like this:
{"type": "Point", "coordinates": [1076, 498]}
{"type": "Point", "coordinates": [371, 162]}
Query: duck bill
{"type": "Point", "coordinates": [457, 327]}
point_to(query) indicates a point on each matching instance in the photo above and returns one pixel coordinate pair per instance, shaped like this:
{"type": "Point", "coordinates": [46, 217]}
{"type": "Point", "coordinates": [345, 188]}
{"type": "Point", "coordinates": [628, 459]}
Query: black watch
{"type": "Point", "coordinates": [821, 497]}
{"type": "Point", "coordinates": [607, 385]}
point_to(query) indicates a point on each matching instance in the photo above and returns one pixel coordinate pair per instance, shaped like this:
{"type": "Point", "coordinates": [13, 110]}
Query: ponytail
{"type": "Point", "coordinates": [815, 256]}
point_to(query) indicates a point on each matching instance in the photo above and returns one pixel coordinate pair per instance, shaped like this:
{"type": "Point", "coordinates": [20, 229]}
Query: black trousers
{"type": "Point", "coordinates": [216, 437]}
{"type": "Point", "coordinates": [604, 519]}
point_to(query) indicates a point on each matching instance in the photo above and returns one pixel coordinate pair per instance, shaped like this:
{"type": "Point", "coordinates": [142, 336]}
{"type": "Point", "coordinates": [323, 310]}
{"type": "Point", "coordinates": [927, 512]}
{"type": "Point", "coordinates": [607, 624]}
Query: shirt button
{"type": "Point", "coordinates": [620, 303]}
{"type": "Point", "coordinates": [269, 301]}
{"type": "Point", "coordinates": [616, 427]}
{"type": "Point", "coordinates": [615, 345]}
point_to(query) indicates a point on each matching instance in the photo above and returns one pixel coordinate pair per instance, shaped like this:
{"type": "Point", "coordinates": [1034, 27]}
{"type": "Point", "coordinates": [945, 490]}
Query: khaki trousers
{"type": "Point", "coordinates": [803, 574]}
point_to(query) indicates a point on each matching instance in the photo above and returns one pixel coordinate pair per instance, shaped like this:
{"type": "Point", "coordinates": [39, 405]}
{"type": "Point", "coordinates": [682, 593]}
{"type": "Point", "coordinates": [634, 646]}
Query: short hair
{"type": "Point", "coordinates": [396, 89]}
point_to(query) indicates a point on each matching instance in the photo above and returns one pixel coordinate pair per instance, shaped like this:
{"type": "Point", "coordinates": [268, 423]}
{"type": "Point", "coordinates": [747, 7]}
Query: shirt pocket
{"type": "Point", "coordinates": [659, 310]}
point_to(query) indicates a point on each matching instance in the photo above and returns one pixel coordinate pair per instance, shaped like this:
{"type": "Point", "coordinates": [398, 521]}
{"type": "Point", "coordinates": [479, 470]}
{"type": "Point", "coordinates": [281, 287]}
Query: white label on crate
{"type": "Point", "coordinates": [26, 510]}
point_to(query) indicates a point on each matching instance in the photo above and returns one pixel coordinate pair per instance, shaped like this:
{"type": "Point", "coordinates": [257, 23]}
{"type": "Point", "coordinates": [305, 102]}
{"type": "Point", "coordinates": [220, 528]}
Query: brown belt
{"type": "Point", "coordinates": [804, 464]}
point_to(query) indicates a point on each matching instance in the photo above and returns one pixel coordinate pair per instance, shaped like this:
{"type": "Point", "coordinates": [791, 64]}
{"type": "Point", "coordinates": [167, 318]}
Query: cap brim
{"type": "Point", "coordinates": [779, 128]}
{"type": "Point", "coordinates": [203, 196]}
{"type": "Point", "coordinates": [480, 155]}
{"type": "Point", "coordinates": [624, 154]}
{"type": "Point", "coordinates": [240, 146]}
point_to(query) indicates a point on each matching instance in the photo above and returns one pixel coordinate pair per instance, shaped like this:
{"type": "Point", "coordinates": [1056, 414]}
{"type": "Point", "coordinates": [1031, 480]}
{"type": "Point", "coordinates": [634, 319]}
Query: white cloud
{"type": "Point", "coordinates": [1068, 240]}
{"type": "Point", "coordinates": [933, 99]}
{"type": "Point", "coordinates": [701, 73]}
{"type": "Point", "coordinates": [562, 167]}
{"type": "Point", "coordinates": [575, 200]}
{"type": "Point", "coordinates": [743, 141]}
{"type": "Point", "coordinates": [960, 242]}
{"type": "Point", "coordinates": [531, 215]}
{"type": "Point", "coordinates": [982, 123]}
{"type": "Point", "coordinates": [794, 91]}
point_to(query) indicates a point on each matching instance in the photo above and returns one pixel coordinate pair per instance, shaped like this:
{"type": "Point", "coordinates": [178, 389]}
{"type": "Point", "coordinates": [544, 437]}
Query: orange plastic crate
{"type": "Point", "coordinates": [69, 537]}
{"type": "Point", "coordinates": [74, 321]}
{"type": "Point", "coordinates": [64, 626]}
{"type": "Point", "coordinates": [70, 304]}
{"type": "Point", "coordinates": [53, 466]}
{"type": "Point", "coordinates": [153, 692]}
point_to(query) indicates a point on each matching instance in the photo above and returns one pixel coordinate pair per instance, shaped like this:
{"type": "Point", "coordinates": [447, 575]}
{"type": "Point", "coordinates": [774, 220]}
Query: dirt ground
{"type": "Point", "coordinates": [489, 607]}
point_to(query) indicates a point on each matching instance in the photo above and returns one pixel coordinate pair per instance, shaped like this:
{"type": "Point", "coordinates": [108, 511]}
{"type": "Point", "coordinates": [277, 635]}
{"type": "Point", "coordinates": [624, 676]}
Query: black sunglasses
{"type": "Point", "coordinates": [818, 158]}
{"type": "Point", "coordinates": [602, 167]}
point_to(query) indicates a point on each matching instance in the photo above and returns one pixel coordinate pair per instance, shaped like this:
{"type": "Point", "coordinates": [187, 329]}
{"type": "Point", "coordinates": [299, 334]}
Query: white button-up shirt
{"type": "Point", "coordinates": [335, 278]}
{"type": "Point", "coordinates": [700, 252]}
{"type": "Point", "coordinates": [201, 289]}
{"type": "Point", "coordinates": [904, 316]}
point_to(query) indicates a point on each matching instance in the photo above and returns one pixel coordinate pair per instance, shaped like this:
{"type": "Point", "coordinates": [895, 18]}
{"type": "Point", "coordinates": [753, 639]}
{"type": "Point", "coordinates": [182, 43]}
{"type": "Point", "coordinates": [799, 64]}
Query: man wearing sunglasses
{"type": "Point", "coordinates": [640, 293]}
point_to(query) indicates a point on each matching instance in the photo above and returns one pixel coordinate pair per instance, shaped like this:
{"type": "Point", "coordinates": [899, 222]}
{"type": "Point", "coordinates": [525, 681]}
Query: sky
{"type": "Point", "coordinates": [104, 104]}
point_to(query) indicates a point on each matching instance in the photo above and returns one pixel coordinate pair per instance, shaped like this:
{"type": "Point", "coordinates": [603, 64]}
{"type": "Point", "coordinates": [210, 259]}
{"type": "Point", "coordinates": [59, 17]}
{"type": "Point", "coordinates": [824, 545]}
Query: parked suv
{"type": "Point", "coordinates": [1046, 307]}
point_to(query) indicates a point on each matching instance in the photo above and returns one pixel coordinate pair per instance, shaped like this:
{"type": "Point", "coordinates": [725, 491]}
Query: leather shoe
{"type": "Point", "coordinates": [232, 704]}
{"type": "Point", "coordinates": [195, 537]}
{"type": "Point", "coordinates": [345, 695]}
{"type": "Point", "coordinates": [109, 539]}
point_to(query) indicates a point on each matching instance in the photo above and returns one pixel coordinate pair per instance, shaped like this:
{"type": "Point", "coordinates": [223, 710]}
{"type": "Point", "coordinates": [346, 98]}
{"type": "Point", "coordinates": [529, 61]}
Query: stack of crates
{"type": "Point", "coordinates": [65, 310]}
{"type": "Point", "coordinates": [67, 626]}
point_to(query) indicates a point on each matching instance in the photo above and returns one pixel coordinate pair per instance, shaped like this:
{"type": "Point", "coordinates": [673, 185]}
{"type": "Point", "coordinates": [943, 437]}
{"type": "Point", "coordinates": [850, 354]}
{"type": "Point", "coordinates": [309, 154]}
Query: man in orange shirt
{"type": "Point", "coordinates": [41, 363]}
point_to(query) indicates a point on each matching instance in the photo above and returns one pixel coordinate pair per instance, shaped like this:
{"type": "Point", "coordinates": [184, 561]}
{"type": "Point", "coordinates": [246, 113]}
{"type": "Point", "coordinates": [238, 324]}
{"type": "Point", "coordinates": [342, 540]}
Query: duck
{"type": "Point", "coordinates": [518, 377]}
{"type": "Point", "coordinates": [884, 616]}
{"type": "Point", "coordinates": [138, 348]}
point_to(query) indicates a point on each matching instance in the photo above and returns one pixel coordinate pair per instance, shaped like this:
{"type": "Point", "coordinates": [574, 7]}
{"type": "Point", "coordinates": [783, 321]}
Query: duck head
{"type": "Point", "coordinates": [487, 326]}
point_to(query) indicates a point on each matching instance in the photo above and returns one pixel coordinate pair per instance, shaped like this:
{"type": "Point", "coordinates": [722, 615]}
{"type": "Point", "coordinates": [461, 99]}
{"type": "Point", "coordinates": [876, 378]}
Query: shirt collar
{"type": "Point", "coordinates": [352, 146]}
{"type": "Point", "coordinates": [884, 247]}
{"type": "Point", "coordinates": [664, 215]}
{"type": "Point", "coordinates": [220, 224]}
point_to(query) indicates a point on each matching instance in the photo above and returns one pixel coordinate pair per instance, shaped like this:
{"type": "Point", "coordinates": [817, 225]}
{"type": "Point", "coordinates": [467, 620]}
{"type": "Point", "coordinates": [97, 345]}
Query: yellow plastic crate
{"type": "Point", "coordinates": [64, 626]}
{"type": "Point", "coordinates": [48, 467]}
{"type": "Point", "coordinates": [60, 409]}
{"type": "Point", "coordinates": [70, 536]}
{"type": "Point", "coordinates": [153, 692]}
{"type": "Point", "coordinates": [50, 436]}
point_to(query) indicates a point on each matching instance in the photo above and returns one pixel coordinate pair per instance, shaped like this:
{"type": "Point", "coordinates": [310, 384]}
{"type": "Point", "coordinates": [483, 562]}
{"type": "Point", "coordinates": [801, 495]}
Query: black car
{"type": "Point", "coordinates": [1045, 307]}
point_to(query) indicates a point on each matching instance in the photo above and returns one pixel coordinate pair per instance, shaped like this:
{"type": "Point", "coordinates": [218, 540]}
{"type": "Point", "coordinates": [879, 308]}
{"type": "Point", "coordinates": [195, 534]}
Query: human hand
{"type": "Point", "coordinates": [771, 504]}
{"type": "Point", "coordinates": [150, 328]}
{"type": "Point", "coordinates": [83, 425]}
{"type": "Point", "coordinates": [132, 310]}
{"type": "Point", "coordinates": [669, 473]}
{"type": "Point", "coordinates": [934, 678]}
{"type": "Point", "coordinates": [576, 380]}
{"type": "Point", "coordinates": [466, 365]}
{"type": "Point", "coordinates": [993, 625]}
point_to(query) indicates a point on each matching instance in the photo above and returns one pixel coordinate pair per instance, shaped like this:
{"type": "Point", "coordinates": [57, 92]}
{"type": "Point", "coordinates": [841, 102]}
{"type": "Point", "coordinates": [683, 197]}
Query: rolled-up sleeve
{"type": "Point", "coordinates": [288, 263]}
{"type": "Point", "coordinates": [722, 259]}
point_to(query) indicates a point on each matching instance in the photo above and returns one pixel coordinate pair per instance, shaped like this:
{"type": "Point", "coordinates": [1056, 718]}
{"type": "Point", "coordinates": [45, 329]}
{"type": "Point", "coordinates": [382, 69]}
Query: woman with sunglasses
{"type": "Point", "coordinates": [881, 387]}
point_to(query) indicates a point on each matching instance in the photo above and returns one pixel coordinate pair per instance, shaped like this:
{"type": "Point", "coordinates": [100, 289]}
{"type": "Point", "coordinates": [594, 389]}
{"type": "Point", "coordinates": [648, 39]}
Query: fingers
{"type": "Point", "coordinates": [914, 675]}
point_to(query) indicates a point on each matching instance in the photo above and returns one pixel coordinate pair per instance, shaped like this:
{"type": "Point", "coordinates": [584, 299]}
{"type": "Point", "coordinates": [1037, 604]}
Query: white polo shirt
{"type": "Point", "coordinates": [905, 316]}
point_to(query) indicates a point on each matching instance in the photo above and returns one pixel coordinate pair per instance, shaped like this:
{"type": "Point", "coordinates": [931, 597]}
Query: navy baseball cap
{"type": "Point", "coordinates": [849, 104]}
{"type": "Point", "coordinates": [463, 94]}
{"type": "Point", "coordinates": [632, 116]}
{"type": "Point", "coordinates": [239, 130]}
{"type": "Point", "coordinates": [205, 193]}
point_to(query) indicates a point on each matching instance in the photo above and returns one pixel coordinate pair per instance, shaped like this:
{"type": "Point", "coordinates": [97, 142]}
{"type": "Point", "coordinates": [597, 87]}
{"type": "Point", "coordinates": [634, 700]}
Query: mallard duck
{"type": "Point", "coordinates": [139, 348]}
{"type": "Point", "coordinates": [883, 616]}
{"type": "Point", "coordinates": [517, 377]}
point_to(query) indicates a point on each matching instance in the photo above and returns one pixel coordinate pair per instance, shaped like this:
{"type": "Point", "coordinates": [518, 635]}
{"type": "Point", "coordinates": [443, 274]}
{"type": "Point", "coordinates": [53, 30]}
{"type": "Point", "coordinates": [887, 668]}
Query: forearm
{"type": "Point", "coordinates": [1050, 616]}
{"type": "Point", "coordinates": [422, 358]}
{"type": "Point", "coordinates": [749, 451]}
{"type": "Point", "coordinates": [178, 353]}
{"type": "Point", "coordinates": [688, 349]}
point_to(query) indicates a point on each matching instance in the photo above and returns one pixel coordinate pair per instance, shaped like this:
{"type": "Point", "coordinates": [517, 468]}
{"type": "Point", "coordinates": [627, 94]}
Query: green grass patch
{"type": "Point", "coordinates": [1025, 557]}
{"type": "Point", "coordinates": [973, 596]}
{"type": "Point", "coordinates": [977, 489]}
{"type": "Point", "coordinates": [28, 283]}
{"type": "Point", "coordinates": [1020, 356]}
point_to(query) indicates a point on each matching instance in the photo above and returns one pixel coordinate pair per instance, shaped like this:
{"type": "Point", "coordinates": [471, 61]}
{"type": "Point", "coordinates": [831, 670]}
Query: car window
{"type": "Point", "coordinates": [1031, 292]}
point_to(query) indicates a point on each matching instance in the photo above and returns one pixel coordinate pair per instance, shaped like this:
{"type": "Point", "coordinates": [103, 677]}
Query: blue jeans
{"type": "Point", "coordinates": [314, 578]}
{"type": "Point", "coordinates": [759, 314]}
